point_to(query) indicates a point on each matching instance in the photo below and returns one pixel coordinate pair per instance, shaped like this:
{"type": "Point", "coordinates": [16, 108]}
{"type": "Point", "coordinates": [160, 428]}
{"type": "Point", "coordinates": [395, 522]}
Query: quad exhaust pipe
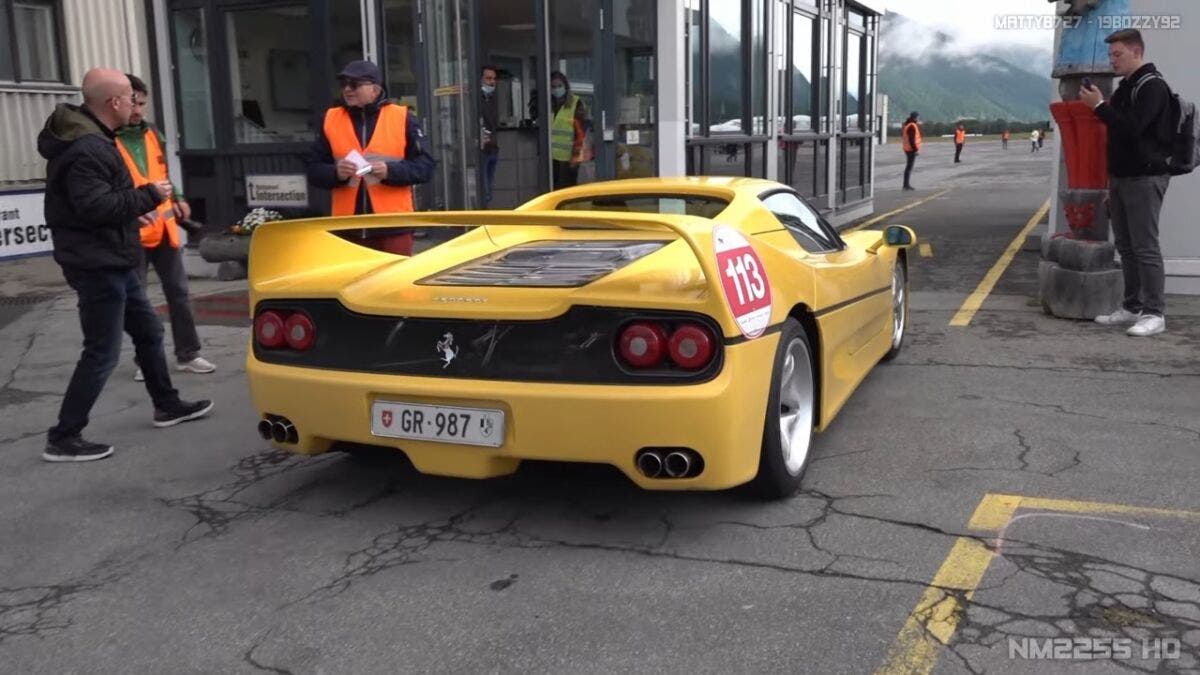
{"type": "Point", "coordinates": [669, 462]}
{"type": "Point", "coordinates": [279, 429]}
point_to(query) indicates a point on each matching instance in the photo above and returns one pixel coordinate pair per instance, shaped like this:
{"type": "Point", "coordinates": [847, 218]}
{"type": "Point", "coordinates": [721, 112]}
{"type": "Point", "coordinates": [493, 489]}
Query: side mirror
{"type": "Point", "coordinates": [897, 236]}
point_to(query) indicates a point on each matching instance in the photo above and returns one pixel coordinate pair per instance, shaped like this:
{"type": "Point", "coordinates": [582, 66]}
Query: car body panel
{"type": "Point", "coordinates": [845, 292]}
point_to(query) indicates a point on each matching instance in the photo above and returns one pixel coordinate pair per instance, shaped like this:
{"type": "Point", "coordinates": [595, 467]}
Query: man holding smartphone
{"type": "Point", "coordinates": [1139, 141]}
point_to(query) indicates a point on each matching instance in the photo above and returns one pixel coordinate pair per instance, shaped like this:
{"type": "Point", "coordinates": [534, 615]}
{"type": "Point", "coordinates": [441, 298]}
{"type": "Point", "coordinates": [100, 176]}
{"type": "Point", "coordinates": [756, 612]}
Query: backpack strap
{"type": "Point", "coordinates": [1152, 75]}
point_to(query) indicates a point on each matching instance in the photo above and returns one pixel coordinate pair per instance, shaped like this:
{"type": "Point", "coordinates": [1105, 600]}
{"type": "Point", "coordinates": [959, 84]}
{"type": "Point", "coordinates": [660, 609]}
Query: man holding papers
{"type": "Point", "coordinates": [370, 151]}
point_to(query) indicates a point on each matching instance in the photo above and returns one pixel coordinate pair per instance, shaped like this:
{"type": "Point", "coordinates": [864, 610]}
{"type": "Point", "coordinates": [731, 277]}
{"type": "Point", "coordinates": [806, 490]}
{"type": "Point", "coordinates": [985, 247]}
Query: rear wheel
{"type": "Point", "coordinates": [788, 427]}
{"type": "Point", "coordinates": [899, 309]}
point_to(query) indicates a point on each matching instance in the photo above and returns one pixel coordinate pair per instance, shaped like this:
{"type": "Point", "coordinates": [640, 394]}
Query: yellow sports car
{"type": "Point", "coordinates": [692, 332]}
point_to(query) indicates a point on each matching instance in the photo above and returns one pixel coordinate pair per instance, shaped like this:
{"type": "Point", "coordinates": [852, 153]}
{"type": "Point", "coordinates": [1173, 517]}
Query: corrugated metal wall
{"type": "Point", "coordinates": [113, 33]}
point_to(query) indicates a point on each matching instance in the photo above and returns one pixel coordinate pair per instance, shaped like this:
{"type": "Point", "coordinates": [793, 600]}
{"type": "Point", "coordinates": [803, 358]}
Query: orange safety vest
{"type": "Point", "coordinates": [1004, 136]}
{"type": "Point", "coordinates": [909, 147]}
{"type": "Point", "coordinates": [388, 140]}
{"type": "Point", "coordinates": [960, 135]}
{"type": "Point", "coordinates": [156, 169]}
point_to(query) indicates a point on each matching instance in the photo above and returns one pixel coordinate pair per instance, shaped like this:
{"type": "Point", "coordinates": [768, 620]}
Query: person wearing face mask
{"type": "Point", "coordinates": [568, 131]}
{"type": "Point", "coordinates": [489, 120]}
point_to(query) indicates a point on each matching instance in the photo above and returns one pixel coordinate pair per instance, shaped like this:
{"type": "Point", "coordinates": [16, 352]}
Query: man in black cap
{"type": "Point", "coordinates": [370, 152]}
{"type": "Point", "coordinates": [910, 133]}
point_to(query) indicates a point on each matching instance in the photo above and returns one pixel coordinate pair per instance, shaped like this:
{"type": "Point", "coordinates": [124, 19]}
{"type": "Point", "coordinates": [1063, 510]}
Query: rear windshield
{"type": "Point", "coordinates": [683, 205]}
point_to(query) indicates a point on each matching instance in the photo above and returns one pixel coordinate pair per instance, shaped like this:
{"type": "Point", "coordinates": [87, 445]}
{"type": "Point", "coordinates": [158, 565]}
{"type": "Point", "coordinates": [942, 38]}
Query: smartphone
{"type": "Point", "coordinates": [1087, 82]}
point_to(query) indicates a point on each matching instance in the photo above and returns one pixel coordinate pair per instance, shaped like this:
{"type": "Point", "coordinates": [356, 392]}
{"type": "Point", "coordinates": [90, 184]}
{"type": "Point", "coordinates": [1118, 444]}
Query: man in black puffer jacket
{"type": "Point", "coordinates": [93, 212]}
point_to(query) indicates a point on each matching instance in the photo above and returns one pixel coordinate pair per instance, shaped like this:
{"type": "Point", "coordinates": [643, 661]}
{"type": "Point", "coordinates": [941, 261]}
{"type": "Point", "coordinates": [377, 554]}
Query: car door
{"type": "Point", "coordinates": [850, 297]}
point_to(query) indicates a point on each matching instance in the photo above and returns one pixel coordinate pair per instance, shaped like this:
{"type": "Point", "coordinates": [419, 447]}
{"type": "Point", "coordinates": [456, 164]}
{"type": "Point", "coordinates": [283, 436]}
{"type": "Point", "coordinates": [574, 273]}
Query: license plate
{"type": "Point", "coordinates": [440, 423]}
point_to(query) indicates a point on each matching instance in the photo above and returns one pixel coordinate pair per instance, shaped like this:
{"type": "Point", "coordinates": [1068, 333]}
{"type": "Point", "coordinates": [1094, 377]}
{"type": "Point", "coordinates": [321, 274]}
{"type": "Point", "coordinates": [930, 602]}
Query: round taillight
{"type": "Point", "coordinates": [691, 346]}
{"type": "Point", "coordinates": [268, 329]}
{"type": "Point", "coordinates": [643, 345]}
{"type": "Point", "coordinates": [300, 332]}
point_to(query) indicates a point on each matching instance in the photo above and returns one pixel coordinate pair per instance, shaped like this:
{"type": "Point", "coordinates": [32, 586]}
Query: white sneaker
{"type": "Point", "coordinates": [1117, 318]}
{"type": "Point", "coordinates": [138, 376]}
{"type": "Point", "coordinates": [196, 365]}
{"type": "Point", "coordinates": [1149, 324]}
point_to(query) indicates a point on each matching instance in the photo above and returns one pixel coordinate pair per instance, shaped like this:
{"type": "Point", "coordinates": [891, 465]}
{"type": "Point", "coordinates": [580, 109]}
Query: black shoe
{"type": "Point", "coordinates": [182, 412]}
{"type": "Point", "coordinates": [909, 187]}
{"type": "Point", "coordinates": [75, 449]}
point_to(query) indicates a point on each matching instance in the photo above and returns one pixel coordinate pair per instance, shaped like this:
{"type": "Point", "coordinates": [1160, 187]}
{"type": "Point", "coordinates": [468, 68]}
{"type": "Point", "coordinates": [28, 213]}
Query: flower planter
{"type": "Point", "coordinates": [223, 247]}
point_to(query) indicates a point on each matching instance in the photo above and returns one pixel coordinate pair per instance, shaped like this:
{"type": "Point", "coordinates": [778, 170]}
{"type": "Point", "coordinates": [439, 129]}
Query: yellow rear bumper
{"type": "Point", "coordinates": [721, 419]}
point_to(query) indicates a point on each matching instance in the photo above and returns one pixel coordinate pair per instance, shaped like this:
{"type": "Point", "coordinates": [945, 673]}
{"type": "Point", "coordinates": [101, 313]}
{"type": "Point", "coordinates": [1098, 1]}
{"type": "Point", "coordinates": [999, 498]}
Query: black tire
{"type": "Point", "coordinates": [775, 480]}
{"type": "Point", "coordinates": [900, 271]}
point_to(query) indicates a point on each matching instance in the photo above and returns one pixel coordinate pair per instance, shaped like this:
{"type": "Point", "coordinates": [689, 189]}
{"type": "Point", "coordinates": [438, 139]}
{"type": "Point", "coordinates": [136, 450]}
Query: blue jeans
{"type": "Point", "coordinates": [488, 160]}
{"type": "Point", "coordinates": [111, 300]}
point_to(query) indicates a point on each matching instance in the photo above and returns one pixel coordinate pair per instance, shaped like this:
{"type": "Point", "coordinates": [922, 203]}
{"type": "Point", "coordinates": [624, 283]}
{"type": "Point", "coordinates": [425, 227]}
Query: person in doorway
{"type": "Point", "coordinates": [1138, 117]}
{"type": "Point", "coordinates": [144, 151]}
{"type": "Point", "coordinates": [370, 152]}
{"type": "Point", "coordinates": [489, 121]}
{"type": "Point", "coordinates": [1033, 139]}
{"type": "Point", "coordinates": [960, 138]}
{"type": "Point", "coordinates": [1004, 135]}
{"type": "Point", "coordinates": [910, 135]}
{"type": "Point", "coordinates": [568, 131]}
{"type": "Point", "coordinates": [92, 209]}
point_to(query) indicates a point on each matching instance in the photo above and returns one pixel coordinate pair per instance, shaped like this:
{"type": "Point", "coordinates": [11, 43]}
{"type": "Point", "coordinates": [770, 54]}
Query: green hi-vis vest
{"type": "Point", "coordinates": [562, 132]}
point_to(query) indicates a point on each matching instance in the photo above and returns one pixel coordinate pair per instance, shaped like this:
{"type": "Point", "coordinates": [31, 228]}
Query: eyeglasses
{"type": "Point", "coordinates": [353, 84]}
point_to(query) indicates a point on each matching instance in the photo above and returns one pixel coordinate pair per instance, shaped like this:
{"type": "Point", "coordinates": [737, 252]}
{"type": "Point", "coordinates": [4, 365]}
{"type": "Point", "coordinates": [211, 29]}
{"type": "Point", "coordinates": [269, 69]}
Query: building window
{"type": "Point", "coordinates": [802, 58]}
{"type": "Point", "coordinates": [852, 103]}
{"type": "Point", "coordinates": [189, 29]}
{"type": "Point", "coordinates": [32, 51]}
{"type": "Point", "coordinates": [726, 67]}
{"type": "Point", "coordinates": [270, 74]}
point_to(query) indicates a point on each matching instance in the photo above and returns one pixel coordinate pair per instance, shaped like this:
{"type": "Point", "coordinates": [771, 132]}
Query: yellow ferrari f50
{"type": "Point", "coordinates": [692, 332]}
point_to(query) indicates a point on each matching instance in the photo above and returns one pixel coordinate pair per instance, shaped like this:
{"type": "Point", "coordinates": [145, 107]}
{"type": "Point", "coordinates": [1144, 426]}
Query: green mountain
{"type": "Point", "coordinates": [920, 70]}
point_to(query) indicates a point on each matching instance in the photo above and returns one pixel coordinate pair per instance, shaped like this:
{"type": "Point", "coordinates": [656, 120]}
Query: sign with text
{"type": "Point", "coordinates": [744, 278]}
{"type": "Point", "coordinates": [23, 228]}
{"type": "Point", "coordinates": [277, 190]}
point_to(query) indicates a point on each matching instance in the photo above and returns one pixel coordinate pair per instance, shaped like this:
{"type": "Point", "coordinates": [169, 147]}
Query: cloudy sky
{"type": "Point", "coordinates": [972, 22]}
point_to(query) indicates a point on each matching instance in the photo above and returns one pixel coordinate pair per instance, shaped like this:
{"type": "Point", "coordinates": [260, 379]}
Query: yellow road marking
{"type": "Point", "coordinates": [926, 250]}
{"type": "Point", "coordinates": [975, 300]}
{"type": "Point", "coordinates": [893, 212]}
{"type": "Point", "coordinates": [933, 622]}
{"type": "Point", "coordinates": [935, 618]}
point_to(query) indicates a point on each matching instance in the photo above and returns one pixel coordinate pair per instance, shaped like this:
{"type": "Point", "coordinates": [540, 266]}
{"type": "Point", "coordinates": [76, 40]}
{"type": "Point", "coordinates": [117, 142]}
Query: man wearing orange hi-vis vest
{"type": "Point", "coordinates": [144, 151]}
{"type": "Point", "coordinates": [370, 153]}
{"type": "Point", "coordinates": [960, 138]}
{"type": "Point", "coordinates": [910, 135]}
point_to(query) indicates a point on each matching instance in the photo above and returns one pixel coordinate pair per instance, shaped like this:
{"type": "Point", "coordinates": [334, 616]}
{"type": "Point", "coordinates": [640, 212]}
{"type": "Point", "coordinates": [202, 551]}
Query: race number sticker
{"type": "Point", "coordinates": [744, 278]}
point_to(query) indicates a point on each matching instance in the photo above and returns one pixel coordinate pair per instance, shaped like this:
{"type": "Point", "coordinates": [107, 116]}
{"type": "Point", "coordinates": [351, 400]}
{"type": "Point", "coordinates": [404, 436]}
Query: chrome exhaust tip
{"type": "Point", "coordinates": [264, 429]}
{"type": "Point", "coordinates": [650, 464]}
{"type": "Point", "coordinates": [282, 431]}
{"type": "Point", "coordinates": [677, 464]}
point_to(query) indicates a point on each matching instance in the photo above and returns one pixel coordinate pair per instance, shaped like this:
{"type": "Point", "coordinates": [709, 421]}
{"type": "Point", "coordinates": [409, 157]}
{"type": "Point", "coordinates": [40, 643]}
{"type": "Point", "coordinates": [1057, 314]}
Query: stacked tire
{"type": "Point", "coordinates": [1079, 278]}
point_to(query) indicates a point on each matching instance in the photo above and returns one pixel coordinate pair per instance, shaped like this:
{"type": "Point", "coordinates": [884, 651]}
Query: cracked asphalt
{"type": "Point", "coordinates": [199, 549]}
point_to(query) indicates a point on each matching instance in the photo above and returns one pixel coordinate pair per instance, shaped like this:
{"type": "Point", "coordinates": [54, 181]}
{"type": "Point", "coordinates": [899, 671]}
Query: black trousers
{"type": "Point", "coordinates": [910, 156]}
{"type": "Point", "coordinates": [111, 301]}
{"type": "Point", "coordinates": [1134, 205]}
{"type": "Point", "coordinates": [957, 151]}
{"type": "Point", "coordinates": [168, 265]}
{"type": "Point", "coordinates": [565, 175]}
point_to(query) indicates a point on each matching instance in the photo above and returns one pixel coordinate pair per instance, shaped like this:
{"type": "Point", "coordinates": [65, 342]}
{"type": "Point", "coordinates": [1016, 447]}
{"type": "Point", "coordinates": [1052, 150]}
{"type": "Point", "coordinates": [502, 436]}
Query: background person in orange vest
{"type": "Point", "coordinates": [960, 138]}
{"type": "Point", "coordinates": [910, 135]}
{"type": "Point", "coordinates": [384, 133]}
{"type": "Point", "coordinates": [144, 151]}
{"type": "Point", "coordinates": [1004, 136]}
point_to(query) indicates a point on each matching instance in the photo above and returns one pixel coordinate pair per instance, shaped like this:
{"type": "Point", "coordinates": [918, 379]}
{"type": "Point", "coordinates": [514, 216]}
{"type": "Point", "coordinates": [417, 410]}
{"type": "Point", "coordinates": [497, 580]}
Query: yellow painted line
{"type": "Point", "coordinates": [932, 623]}
{"type": "Point", "coordinates": [926, 250]}
{"type": "Point", "coordinates": [893, 212]}
{"type": "Point", "coordinates": [975, 300]}
{"type": "Point", "coordinates": [994, 511]}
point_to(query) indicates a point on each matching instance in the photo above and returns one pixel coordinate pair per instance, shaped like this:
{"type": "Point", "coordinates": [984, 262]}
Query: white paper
{"type": "Point", "coordinates": [361, 165]}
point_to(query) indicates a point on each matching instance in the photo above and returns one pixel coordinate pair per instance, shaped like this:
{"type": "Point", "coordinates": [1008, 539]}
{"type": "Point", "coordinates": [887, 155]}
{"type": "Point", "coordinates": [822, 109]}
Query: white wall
{"type": "Point", "coordinates": [1174, 53]}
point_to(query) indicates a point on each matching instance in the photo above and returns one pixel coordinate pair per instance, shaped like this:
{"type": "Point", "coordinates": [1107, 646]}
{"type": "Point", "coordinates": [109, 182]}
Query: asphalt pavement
{"type": "Point", "coordinates": [1000, 486]}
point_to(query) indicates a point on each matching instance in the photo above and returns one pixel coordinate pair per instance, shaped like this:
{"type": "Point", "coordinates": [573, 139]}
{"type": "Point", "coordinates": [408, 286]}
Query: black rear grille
{"type": "Point", "coordinates": [561, 264]}
{"type": "Point", "coordinates": [574, 347]}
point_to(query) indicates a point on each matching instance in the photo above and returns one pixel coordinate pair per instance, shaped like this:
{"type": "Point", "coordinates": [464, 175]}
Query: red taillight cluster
{"type": "Point", "coordinates": [275, 328]}
{"type": "Point", "coordinates": [650, 344]}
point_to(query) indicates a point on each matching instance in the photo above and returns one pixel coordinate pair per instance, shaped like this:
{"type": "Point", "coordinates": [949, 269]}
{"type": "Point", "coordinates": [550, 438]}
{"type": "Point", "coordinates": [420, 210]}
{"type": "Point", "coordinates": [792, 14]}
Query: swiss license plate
{"type": "Point", "coordinates": [444, 424]}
